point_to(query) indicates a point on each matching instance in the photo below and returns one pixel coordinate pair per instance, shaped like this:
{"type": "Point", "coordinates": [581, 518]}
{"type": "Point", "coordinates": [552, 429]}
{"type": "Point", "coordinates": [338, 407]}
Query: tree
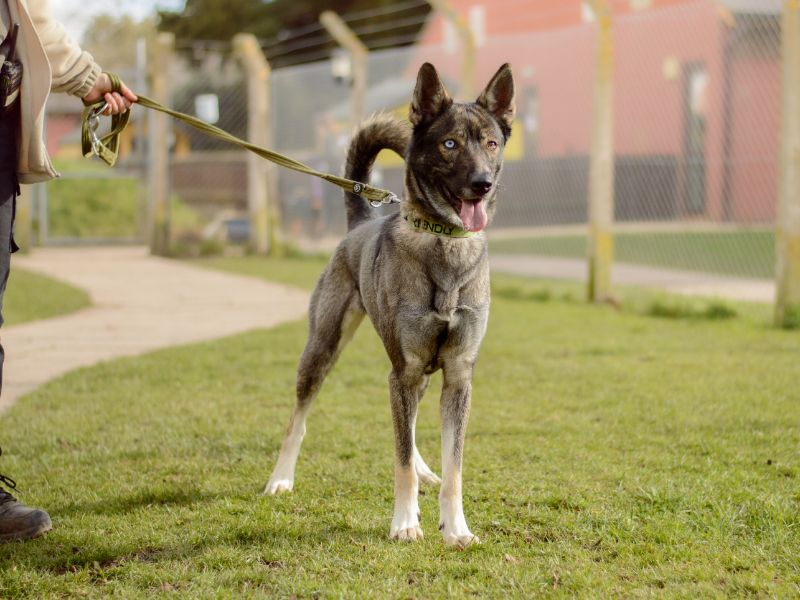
{"type": "Point", "coordinates": [112, 40]}
{"type": "Point", "coordinates": [217, 20]}
{"type": "Point", "coordinates": [289, 29]}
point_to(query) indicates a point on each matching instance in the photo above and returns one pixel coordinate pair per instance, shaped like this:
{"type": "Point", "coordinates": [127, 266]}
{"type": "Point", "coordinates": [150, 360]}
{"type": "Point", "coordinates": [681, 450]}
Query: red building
{"type": "Point", "coordinates": [696, 102]}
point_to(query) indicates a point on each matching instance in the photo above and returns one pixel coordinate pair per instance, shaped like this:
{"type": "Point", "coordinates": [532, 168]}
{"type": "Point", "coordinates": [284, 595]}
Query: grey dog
{"type": "Point", "coordinates": [422, 276]}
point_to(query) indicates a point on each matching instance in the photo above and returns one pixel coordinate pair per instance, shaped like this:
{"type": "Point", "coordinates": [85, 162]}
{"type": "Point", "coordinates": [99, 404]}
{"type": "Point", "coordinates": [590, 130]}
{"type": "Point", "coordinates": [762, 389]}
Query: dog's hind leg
{"type": "Point", "coordinates": [424, 472]}
{"type": "Point", "coordinates": [335, 315]}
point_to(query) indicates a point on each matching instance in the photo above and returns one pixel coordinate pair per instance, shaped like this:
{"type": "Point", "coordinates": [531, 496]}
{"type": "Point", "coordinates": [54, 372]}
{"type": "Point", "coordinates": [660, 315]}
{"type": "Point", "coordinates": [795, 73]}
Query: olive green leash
{"type": "Point", "coordinates": [107, 146]}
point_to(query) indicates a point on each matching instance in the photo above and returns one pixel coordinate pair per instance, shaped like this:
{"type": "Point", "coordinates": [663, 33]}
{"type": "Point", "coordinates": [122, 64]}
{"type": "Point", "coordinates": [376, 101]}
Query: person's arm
{"type": "Point", "coordinates": [74, 71]}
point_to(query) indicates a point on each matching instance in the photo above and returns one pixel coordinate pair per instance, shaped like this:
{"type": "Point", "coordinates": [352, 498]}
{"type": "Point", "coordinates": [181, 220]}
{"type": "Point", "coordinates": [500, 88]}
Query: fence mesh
{"type": "Point", "coordinates": [208, 177]}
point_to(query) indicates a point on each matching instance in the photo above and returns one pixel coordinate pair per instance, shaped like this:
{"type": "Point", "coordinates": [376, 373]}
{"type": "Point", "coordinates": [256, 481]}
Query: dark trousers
{"type": "Point", "coordinates": [8, 194]}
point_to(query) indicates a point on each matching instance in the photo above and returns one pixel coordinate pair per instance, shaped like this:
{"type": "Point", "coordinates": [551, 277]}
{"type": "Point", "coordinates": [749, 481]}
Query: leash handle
{"type": "Point", "coordinates": [107, 147]}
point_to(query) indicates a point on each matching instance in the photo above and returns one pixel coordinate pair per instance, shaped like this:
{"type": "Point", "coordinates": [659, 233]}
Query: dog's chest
{"type": "Point", "coordinates": [456, 286]}
{"type": "Point", "coordinates": [445, 303]}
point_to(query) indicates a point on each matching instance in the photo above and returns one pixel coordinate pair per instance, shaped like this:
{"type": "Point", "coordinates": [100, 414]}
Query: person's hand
{"type": "Point", "coordinates": [118, 102]}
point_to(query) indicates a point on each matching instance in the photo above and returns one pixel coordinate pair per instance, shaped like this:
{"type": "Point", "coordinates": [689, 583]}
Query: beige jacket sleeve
{"type": "Point", "coordinates": [73, 70]}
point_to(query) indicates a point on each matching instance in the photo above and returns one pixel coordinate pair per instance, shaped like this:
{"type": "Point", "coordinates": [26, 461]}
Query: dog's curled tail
{"type": "Point", "coordinates": [376, 133]}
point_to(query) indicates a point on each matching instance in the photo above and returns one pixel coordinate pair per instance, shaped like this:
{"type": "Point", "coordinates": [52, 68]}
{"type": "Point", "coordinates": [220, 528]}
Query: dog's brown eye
{"type": "Point", "coordinates": [492, 145]}
{"type": "Point", "coordinates": [449, 144]}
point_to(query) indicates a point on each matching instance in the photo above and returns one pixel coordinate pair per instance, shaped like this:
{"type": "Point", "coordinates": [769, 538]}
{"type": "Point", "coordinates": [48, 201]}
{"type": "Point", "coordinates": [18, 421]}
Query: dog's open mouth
{"type": "Point", "coordinates": [473, 214]}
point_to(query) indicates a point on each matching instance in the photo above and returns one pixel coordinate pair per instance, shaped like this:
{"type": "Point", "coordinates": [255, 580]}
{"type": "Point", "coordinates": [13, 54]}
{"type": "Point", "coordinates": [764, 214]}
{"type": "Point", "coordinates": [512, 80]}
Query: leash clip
{"type": "Point", "coordinates": [93, 120]}
{"type": "Point", "coordinates": [387, 199]}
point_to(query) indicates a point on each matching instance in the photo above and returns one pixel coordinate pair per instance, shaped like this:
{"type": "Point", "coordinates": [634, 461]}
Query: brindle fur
{"type": "Point", "coordinates": [427, 296]}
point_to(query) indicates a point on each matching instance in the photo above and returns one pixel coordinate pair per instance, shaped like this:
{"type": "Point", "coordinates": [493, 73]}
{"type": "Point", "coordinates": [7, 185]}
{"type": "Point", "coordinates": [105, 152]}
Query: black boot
{"type": "Point", "coordinates": [17, 521]}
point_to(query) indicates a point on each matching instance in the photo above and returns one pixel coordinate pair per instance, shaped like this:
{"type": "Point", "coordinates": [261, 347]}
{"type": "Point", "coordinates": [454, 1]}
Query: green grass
{"type": "Point", "coordinates": [30, 296]}
{"type": "Point", "coordinates": [93, 208]}
{"type": "Point", "coordinates": [609, 454]}
{"type": "Point", "coordinates": [300, 272]}
{"type": "Point", "coordinates": [91, 201]}
{"type": "Point", "coordinates": [741, 253]}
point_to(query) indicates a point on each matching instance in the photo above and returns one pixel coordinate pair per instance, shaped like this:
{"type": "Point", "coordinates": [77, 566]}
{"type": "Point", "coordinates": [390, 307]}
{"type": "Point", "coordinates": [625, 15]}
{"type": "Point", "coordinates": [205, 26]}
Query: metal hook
{"type": "Point", "coordinates": [94, 123]}
{"type": "Point", "coordinates": [388, 199]}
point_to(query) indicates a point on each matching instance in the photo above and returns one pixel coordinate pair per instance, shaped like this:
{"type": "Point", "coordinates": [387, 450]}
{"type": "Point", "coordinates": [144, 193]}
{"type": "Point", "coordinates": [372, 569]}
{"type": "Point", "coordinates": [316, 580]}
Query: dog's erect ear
{"type": "Point", "coordinates": [498, 98]}
{"type": "Point", "coordinates": [430, 98]}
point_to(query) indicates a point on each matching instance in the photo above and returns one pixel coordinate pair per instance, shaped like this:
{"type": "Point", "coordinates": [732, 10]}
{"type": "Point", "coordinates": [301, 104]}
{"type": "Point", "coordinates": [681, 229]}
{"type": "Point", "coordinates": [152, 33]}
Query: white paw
{"type": "Point", "coordinates": [278, 486]}
{"type": "Point", "coordinates": [460, 540]}
{"type": "Point", "coordinates": [405, 526]}
{"type": "Point", "coordinates": [427, 476]}
{"type": "Point", "coordinates": [407, 534]}
{"type": "Point", "coordinates": [455, 531]}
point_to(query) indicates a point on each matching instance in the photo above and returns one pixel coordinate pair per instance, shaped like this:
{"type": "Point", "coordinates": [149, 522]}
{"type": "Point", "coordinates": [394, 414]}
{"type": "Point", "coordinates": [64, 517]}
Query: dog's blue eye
{"type": "Point", "coordinates": [449, 144]}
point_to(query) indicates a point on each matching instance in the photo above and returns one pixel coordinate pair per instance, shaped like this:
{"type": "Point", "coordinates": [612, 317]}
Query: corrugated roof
{"type": "Point", "coordinates": [765, 7]}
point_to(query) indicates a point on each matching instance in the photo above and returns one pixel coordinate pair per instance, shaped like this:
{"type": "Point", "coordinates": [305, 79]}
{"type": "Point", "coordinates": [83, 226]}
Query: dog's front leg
{"type": "Point", "coordinates": [455, 403]}
{"type": "Point", "coordinates": [404, 398]}
{"type": "Point", "coordinates": [424, 473]}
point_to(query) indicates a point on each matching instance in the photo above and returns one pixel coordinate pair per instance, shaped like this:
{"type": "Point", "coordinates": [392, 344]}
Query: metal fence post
{"type": "Point", "coordinates": [787, 234]}
{"type": "Point", "coordinates": [601, 171]}
{"type": "Point", "coordinates": [42, 216]}
{"type": "Point", "coordinates": [262, 204]}
{"type": "Point", "coordinates": [142, 120]}
{"type": "Point", "coordinates": [158, 217]}
{"type": "Point", "coordinates": [348, 40]}
{"type": "Point", "coordinates": [467, 39]}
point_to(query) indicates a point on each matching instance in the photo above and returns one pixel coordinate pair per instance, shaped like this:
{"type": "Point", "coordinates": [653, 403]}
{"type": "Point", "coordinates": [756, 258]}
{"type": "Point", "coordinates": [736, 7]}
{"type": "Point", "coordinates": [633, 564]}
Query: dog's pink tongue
{"type": "Point", "coordinates": [473, 215]}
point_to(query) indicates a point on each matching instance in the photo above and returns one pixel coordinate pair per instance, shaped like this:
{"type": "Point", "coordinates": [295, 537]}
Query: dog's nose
{"type": "Point", "coordinates": [481, 185]}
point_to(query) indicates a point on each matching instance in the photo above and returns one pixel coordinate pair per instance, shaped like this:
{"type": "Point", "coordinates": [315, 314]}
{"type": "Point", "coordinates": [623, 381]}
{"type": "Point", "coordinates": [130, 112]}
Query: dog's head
{"type": "Point", "coordinates": [456, 151]}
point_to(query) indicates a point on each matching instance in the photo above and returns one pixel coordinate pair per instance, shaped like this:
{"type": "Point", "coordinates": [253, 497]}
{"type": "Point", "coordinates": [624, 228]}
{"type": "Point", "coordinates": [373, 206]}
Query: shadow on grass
{"type": "Point", "coordinates": [111, 558]}
{"type": "Point", "coordinates": [121, 505]}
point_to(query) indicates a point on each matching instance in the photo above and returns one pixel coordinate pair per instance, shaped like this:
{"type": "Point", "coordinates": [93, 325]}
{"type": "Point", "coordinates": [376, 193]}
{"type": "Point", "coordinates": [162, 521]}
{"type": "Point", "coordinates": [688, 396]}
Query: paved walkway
{"type": "Point", "coordinates": [139, 303]}
{"type": "Point", "coordinates": [690, 283]}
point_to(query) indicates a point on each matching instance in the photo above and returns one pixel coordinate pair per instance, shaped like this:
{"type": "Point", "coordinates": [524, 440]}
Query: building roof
{"type": "Point", "coordinates": [762, 7]}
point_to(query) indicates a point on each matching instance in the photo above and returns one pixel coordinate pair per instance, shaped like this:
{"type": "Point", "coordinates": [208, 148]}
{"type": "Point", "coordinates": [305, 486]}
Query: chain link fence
{"type": "Point", "coordinates": [89, 203]}
{"type": "Point", "coordinates": [208, 177]}
{"type": "Point", "coordinates": [697, 91]}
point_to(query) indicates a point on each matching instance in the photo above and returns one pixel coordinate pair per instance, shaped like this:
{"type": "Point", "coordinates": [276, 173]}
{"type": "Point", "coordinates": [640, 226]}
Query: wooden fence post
{"type": "Point", "coordinates": [601, 171]}
{"type": "Point", "coordinates": [468, 42]}
{"type": "Point", "coordinates": [787, 234]}
{"type": "Point", "coordinates": [158, 214]}
{"type": "Point", "coordinates": [262, 200]}
{"type": "Point", "coordinates": [348, 40]}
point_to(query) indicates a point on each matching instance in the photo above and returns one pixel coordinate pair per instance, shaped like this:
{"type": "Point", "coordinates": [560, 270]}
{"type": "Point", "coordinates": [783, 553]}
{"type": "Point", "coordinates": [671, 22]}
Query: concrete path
{"type": "Point", "coordinates": [690, 283]}
{"type": "Point", "coordinates": [139, 303]}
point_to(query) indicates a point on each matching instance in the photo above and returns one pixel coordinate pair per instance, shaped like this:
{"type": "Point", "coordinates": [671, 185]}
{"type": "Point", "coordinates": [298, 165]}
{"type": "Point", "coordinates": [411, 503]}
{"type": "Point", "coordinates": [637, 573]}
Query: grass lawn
{"type": "Point", "coordinates": [609, 454]}
{"type": "Point", "coordinates": [92, 201]}
{"type": "Point", "coordinates": [30, 296]}
{"type": "Point", "coordinates": [741, 253]}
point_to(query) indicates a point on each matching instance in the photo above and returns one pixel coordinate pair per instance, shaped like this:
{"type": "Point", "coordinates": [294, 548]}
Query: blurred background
{"type": "Point", "coordinates": [696, 119]}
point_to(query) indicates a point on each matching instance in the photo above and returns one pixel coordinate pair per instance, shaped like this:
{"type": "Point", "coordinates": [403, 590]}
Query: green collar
{"type": "Point", "coordinates": [418, 223]}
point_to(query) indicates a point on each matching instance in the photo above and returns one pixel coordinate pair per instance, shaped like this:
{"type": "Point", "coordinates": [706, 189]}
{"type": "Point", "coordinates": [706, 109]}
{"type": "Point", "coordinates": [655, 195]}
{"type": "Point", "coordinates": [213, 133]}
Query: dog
{"type": "Point", "coordinates": [422, 276]}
